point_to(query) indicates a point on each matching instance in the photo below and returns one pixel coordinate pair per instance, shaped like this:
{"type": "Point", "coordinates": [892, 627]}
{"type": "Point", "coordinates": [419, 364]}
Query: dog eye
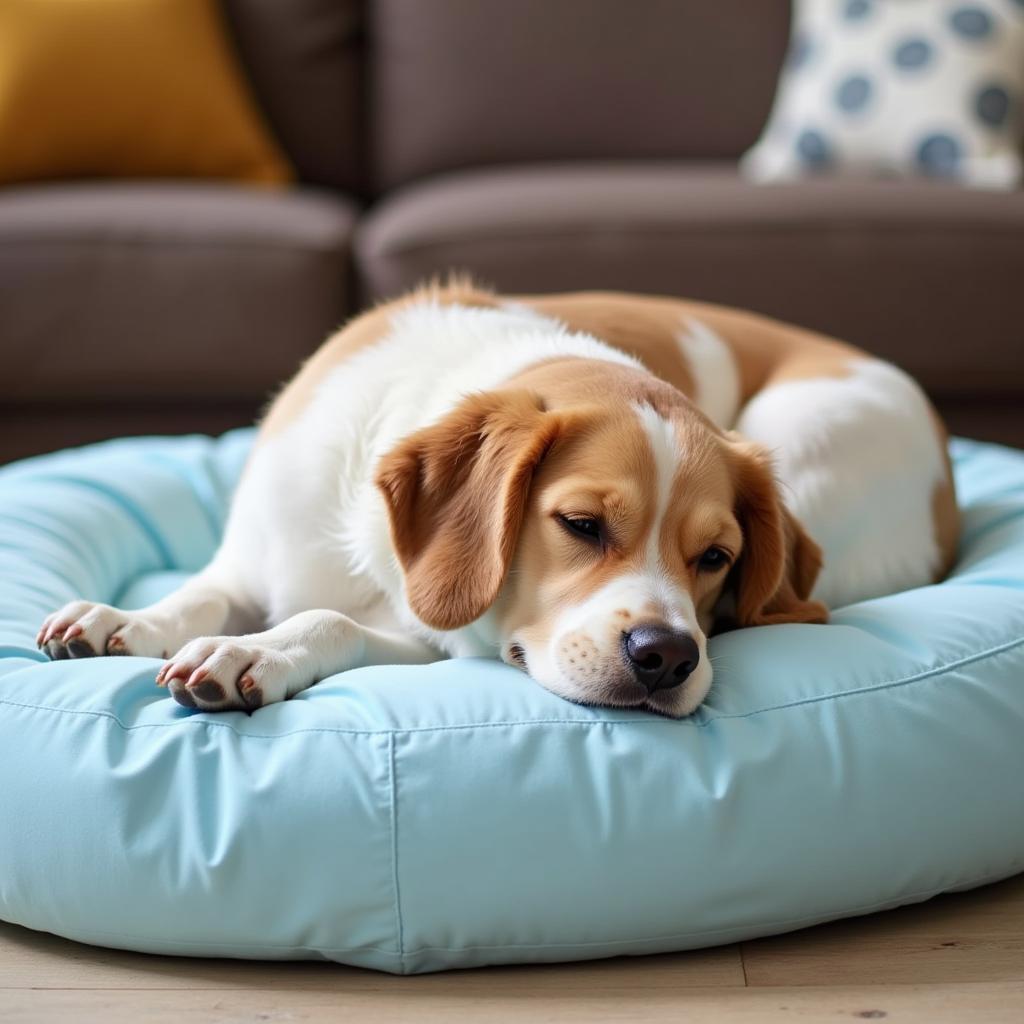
{"type": "Point", "coordinates": [712, 560]}
{"type": "Point", "coordinates": [582, 526]}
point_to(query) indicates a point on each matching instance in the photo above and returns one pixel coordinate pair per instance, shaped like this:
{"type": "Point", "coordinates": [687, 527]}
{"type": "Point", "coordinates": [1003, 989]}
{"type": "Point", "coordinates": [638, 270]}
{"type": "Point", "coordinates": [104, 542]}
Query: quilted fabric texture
{"type": "Point", "coordinates": [418, 818]}
{"type": "Point", "coordinates": [930, 87]}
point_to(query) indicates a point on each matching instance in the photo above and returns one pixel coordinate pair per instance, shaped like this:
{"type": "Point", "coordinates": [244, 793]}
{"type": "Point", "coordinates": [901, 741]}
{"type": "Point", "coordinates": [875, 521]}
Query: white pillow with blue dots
{"type": "Point", "coordinates": [899, 87]}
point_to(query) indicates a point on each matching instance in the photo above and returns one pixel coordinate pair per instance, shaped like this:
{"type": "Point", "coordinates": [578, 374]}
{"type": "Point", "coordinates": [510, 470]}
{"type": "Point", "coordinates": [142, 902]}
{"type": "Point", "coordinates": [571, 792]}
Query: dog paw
{"type": "Point", "coordinates": [226, 673]}
{"type": "Point", "coordinates": [85, 629]}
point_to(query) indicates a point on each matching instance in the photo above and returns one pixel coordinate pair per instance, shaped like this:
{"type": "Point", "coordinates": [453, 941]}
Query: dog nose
{"type": "Point", "coordinates": [661, 658]}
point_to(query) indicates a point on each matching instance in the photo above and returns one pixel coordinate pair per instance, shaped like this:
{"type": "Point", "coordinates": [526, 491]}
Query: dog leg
{"type": "Point", "coordinates": [221, 673]}
{"type": "Point", "coordinates": [205, 604]}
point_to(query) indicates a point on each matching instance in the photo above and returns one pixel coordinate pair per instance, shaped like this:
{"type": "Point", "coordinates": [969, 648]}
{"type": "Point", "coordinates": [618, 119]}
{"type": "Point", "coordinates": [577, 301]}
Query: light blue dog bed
{"type": "Point", "coordinates": [412, 819]}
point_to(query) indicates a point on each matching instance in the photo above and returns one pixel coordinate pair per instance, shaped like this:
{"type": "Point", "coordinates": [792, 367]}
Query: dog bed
{"type": "Point", "coordinates": [417, 818]}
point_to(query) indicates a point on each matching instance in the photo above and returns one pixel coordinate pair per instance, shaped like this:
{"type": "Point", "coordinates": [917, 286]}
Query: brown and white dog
{"type": "Point", "coordinates": [578, 484]}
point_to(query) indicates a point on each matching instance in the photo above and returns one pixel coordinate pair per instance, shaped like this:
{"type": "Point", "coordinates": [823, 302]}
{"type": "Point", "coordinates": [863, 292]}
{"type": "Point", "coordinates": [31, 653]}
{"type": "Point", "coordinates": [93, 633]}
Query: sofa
{"type": "Point", "coordinates": [539, 145]}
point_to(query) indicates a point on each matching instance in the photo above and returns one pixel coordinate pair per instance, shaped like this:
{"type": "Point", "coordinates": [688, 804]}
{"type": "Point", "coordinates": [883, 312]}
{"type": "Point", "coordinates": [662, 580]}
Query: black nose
{"type": "Point", "coordinates": [661, 658]}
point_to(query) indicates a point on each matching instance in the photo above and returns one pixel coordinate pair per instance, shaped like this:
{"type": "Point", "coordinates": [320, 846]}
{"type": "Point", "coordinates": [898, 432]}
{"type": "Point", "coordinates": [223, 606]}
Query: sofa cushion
{"type": "Point", "coordinates": [461, 83]}
{"type": "Point", "coordinates": [165, 293]}
{"type": "Point", "coordinates": [925, 274]}
{"type": "Point", "coordinates": [303, 60]}
{"type": "Point", "coordinates": [106, 88]}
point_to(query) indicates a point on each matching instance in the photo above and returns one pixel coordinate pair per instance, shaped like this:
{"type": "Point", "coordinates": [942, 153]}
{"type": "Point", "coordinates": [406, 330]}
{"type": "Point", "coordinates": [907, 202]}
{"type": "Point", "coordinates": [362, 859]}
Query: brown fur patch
{"type": "Point", "coordinates": [769, 352]}
{"type": "Point", "coordinates": [572, 381]}
{"type": "Point", "coordinates": [455, 493]}
{"type": "Point", "coordinates": [780, 563]}
{"type": "Point", "coordinates": [765, 351]}
{"type": "Point", "coordinates": [645, 328]}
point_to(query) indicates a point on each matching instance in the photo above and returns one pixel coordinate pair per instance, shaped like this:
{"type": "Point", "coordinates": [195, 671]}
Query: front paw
{"type": "Point", "coordinates": [84, 629]}
{"type": "Point", "coordinates": [226, 673]}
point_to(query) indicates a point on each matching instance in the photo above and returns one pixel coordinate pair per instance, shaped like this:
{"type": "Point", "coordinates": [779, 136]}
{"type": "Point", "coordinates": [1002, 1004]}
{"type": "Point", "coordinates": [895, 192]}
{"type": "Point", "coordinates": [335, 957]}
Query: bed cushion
{"type": "Point", "coordinates": [417, 818]}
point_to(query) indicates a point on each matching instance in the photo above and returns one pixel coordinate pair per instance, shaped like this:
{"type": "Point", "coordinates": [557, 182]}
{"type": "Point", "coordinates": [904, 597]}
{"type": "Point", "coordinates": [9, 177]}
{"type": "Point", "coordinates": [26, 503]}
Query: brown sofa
{"type": "Point", "coordinates": [543, 145]}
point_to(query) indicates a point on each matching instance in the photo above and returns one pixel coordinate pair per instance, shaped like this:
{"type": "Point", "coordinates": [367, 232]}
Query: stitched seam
{"type": "Point", "coordinates": [393, 789]}
{"type": "Point", "coordinates": [875, 687]}
{"type": "Point", "coordinates": [633, 721]}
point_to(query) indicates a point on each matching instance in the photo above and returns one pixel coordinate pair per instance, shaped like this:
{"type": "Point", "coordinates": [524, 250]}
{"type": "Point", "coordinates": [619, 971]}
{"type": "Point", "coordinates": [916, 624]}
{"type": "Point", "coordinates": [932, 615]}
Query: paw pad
{"type": "Point", "coordinates": [208, 691]}
{"type": "Point", "coordinates": [251, 693]}
{"type": "Point", "coordinates": [180, 693]}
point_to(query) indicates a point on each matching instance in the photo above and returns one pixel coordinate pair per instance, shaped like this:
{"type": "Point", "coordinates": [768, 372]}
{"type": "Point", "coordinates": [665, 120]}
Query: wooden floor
{"type": "Point", "coordinates": [957, 958]}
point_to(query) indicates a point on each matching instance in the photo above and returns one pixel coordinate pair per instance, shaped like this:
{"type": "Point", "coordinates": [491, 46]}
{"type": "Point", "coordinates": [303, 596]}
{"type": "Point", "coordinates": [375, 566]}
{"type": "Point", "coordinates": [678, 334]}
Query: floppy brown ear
{"type": "Point", "coordinates": [455, 494]}
{"type": "Point", "coordinates": [780, 563]}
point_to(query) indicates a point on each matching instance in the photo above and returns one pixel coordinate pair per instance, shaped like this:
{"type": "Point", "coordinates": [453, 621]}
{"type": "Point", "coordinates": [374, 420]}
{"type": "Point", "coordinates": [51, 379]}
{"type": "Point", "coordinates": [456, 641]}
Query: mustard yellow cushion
{"type": "Point", "coordinates": [126, 88]}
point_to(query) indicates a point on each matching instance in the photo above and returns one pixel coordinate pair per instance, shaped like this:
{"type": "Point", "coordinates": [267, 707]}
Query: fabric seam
{"type": "Point", "coordinates": [393, 790]}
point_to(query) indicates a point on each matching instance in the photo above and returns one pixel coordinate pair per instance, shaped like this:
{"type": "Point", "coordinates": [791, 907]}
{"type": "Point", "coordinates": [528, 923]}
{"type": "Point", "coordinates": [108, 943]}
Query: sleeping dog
{"type": "Point", "coordinates": [583, 485]}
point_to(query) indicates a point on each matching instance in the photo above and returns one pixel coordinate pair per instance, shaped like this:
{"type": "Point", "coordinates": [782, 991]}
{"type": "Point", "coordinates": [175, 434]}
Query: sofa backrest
{"type": "Point", "coordinates": [304, 61]}
{"type": "Point", "coordinates": [459, 83]}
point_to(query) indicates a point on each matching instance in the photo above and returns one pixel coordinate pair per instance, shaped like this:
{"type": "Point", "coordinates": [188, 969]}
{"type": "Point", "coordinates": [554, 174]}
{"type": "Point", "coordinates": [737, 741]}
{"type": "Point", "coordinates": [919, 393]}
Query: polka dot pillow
{"type": "Point", "coordinates": [899, 87]}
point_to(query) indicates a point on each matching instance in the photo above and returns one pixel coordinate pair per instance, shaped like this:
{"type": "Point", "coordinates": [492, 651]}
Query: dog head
{"type": "Point", "coordinates": [601, 537]}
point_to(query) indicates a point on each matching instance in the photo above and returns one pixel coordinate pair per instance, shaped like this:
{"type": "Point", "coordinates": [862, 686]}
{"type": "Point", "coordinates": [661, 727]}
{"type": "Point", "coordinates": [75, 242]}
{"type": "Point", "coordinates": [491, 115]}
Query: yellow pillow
{"type": "Point", "coordinates": [126, 88]}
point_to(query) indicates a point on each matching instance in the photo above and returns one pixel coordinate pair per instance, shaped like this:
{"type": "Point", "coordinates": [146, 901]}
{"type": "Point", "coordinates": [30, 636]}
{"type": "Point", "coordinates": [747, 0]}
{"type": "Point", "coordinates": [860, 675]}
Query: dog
{"type": "Point", "coordinates": [584, 485]}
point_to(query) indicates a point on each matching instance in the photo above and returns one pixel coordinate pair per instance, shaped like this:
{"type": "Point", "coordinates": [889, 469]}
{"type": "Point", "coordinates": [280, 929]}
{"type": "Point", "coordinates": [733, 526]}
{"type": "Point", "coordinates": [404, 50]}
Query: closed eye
{"type": "Point", "coordinates": [713, 560]}
{"type": "Point", "coordinates": [585, 527]}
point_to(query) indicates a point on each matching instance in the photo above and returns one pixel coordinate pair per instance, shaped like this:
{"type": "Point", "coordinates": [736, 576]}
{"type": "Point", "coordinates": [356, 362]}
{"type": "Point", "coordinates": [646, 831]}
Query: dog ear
{"type": "Point", "coordinates": [779, 563]}
{"type": "Point", "coordinates": [455, 493]}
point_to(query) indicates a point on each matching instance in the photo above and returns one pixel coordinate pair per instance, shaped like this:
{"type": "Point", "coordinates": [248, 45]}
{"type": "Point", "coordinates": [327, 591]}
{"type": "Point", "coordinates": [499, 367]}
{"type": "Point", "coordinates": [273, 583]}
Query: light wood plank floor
{"type": "Point", "coordinates": [957, 958]}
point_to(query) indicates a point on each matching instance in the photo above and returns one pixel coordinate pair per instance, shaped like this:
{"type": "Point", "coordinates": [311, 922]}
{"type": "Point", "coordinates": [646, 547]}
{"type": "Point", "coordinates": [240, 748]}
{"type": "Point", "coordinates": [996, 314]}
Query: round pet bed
{"type": "Point", "coordinates": [417, 818]}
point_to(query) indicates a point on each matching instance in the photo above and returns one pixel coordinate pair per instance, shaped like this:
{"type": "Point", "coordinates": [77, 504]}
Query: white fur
{"type": "Point", "coordinates": [859, 461]}
{"type": "Point", "coordinates": [716, 378]}
{"type": "Point", "coordinates": [674, 603]}
{"type": "Point", "coordinates": [661, 437]}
